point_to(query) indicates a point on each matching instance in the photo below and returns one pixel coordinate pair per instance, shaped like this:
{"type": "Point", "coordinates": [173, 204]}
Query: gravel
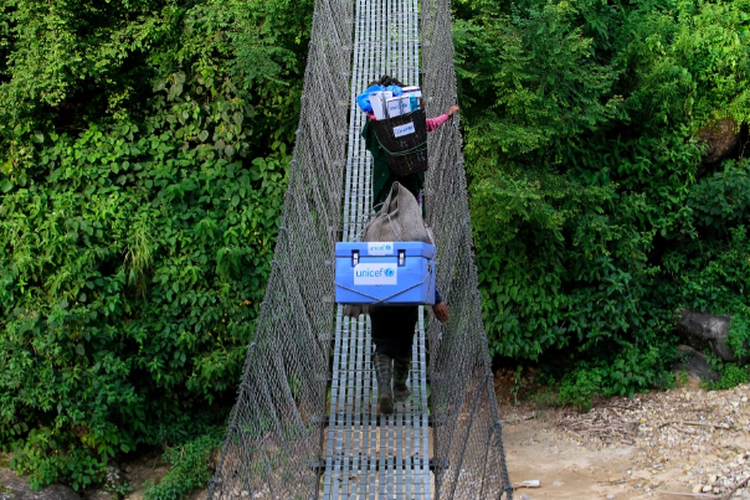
{"type": "Point", "coordinates": [684, 440]}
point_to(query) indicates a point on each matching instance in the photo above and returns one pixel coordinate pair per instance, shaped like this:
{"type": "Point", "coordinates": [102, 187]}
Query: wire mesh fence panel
{"type": "Point", "coordinates": [275, 431]}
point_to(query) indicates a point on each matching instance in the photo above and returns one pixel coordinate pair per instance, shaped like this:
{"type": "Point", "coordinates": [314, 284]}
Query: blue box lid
{"type": "Point", "coordinates": [385, 249]}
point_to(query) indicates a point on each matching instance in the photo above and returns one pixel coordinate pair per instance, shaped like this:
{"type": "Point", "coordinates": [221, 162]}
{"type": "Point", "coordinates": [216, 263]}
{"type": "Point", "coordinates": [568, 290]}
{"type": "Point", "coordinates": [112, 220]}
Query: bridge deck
{"type": "Point", "coordinates": [366, 456]}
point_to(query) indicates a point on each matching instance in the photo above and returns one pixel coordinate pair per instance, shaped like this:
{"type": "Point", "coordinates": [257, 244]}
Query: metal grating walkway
{"type": "Point", "coordinates": [368, 457]}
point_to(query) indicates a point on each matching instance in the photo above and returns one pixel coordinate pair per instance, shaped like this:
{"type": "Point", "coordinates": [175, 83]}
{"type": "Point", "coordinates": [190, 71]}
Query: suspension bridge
{"type": "Point", "coordinates": [305, 424]}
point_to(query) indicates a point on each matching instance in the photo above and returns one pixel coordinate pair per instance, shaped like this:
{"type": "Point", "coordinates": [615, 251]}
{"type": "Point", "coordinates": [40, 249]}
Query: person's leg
{"type": "Point", "coordinates": [393, 329]}
{"type": "Point", "coordinates": [383, 371]}
{"type": "Point", "coordinates": [402, 359]}
{"type": "Point", "coordinates": [393, 335]}
{"type": "Point", "coordinates": [401, 391]}
{"type": "Point", "coordinates": [382, 360]}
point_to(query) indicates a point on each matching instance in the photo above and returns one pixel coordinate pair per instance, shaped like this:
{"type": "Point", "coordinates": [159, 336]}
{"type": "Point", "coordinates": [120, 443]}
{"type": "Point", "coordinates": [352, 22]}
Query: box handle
{"type": "Point", "coordinates": [355, 258]}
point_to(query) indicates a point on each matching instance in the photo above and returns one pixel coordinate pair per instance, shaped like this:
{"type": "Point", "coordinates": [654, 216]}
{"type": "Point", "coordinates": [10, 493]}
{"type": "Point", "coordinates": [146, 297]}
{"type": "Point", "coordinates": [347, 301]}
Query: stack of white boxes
{"type": "Point", "coordinates": [385, 105]}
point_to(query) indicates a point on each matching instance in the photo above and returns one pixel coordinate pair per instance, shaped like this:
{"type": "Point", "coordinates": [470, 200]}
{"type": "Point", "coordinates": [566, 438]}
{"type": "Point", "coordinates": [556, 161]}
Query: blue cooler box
{"type": "Point", "coordinates": [399, 273]}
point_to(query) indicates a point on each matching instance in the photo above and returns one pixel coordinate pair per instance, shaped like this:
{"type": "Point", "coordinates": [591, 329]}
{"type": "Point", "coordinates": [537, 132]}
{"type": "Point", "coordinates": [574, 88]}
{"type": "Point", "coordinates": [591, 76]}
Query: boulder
{"type": "Point", "coordinates": [706, 330]}
{"type": "Point", "coordinates": [695, 364]}
{"type": "Point", "coordinates": [17, 488]}
{"type": "Point", "coordinates": [721, 136]}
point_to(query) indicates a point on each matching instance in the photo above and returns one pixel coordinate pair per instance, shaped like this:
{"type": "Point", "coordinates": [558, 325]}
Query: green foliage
{"type": "Point", "coordinates": [712, 274]}
{"type": "Point", "coordinates": [48, 457]}
{"type": "Point", "coordinates": [633, 368]}
{"type": "Point", "coordinates": [144, 148]}
{"type": "Point", "coordinates": [190, 468]}
{"type": "Point", "coordinates": [578, 388]}
{"type": "Point", "coordinates": [593, 223]}
{"type": "Point", "coordinates": [720, 203]}
{"type": "Point", "coordinates": [681, 378]}
{"type": "Point", "coordinates": [738, 337]}
{"type": "Point", "coordinates": [731, 375]}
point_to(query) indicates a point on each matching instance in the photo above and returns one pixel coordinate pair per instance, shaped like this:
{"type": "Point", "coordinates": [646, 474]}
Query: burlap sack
{"type": "Point", "coordinates": [400, 219]}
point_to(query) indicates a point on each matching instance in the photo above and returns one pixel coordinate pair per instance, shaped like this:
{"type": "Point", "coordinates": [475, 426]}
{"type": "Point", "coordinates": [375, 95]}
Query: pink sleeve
{"type": "Point", "coordinates": [433, 123]}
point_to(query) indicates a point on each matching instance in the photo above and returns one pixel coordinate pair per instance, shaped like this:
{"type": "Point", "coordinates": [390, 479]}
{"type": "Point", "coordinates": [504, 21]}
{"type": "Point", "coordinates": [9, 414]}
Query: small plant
{"type": "Point", "coordinates": [191, 468]}
{"type": "Point", "coordinates": [545, 397]}
{"type": "Point", "coordinates": [518, 382]}
{"type": "Point", "coordinates": [738, 337]}
{"type": "Point", "coordinates": [731, 374]}
{"type": "Point", "coordinates": [123, 490]}
{"type": "Point", "coordinates": [579, 388]}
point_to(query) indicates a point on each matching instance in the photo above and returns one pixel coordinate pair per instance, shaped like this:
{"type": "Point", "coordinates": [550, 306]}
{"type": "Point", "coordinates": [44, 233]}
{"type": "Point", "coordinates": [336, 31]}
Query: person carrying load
{"type": "Point", "coordinates": [382, 176]}
{"type": "Point", "coordinates": [393, 326]}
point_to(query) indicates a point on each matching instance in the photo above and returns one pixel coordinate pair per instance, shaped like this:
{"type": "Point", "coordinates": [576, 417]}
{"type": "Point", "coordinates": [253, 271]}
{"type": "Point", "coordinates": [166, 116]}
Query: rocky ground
{"type": "Point", "coordinates": [682, 443]}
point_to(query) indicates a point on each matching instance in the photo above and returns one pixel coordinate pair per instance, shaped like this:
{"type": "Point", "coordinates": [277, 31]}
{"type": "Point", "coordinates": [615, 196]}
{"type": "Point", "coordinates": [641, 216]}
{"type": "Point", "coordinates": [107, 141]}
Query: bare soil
{"type": "Point", "coordinates": [680, 444]}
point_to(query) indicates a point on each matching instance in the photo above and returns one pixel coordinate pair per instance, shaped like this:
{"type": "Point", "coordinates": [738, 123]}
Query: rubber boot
{"type": "Point", "coordinates": [383, 372]}
{"type": "Point", "coordinates": [401, 368]}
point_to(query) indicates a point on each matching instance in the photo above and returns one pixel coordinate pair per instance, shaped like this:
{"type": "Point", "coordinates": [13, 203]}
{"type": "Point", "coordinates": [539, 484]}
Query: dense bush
{"type": "Point", "coordinates": [144, 147]}
{"type": "Point", "coordinates": [593, 223]}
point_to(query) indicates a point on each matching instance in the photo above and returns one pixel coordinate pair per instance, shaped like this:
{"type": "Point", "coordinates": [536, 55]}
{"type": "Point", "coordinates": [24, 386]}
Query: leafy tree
{"type": "Point", "coordinates": [589, 213]}
{"type": "Point", "coordinates": [144, 147]}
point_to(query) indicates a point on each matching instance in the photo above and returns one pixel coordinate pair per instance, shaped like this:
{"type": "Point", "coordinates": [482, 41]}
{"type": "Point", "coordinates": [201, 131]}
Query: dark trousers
{"type": "Point", "coordinates": [393, 329]}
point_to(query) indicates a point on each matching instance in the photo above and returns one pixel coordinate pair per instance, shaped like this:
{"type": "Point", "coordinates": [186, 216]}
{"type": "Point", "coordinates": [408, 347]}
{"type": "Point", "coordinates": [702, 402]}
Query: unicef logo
{"type": "Point", "coordinates": [375, 274]}
{"type": "Point", "coordinates": [380, 248]}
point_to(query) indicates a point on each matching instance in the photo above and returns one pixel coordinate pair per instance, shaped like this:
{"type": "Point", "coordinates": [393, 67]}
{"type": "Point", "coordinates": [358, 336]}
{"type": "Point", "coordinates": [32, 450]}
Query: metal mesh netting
{"type": "Point", "coordinates": [298, 384]}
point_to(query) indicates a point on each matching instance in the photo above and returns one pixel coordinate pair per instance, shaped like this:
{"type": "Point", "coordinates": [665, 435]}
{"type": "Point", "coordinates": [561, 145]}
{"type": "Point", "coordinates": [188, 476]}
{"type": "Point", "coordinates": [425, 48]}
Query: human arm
{"type": "Point", "coordinates": [433, 123]}
{"type": "Point", "coordinates": [440, 309]}
{"type": "Point", "coordinates": [441, 312]}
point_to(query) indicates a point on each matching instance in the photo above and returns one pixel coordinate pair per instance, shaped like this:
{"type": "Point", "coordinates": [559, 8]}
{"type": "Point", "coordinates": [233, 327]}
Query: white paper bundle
{"type": "Point", "coordinates": [393, 105]}
{"type": "Point", "coordinates": [405, 105]}
{"type": "Point", "coordinates": [378, 100]}
{"type": "Point", "coordinates": [413, 90]}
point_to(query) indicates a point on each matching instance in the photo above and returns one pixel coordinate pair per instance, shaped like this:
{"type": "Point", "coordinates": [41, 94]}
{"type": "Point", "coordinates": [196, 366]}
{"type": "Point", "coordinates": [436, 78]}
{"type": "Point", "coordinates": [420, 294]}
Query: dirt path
{"type": "Point", "coordinates": [657, 445]}
{"type": "Point", "coordinates": [536, 451]}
